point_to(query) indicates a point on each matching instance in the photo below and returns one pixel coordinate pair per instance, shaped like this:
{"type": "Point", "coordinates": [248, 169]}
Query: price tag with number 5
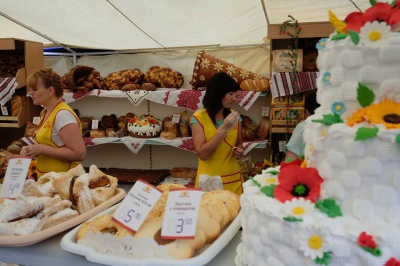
{"type": "Point", "coordinates": [181, 212]}
{"type": "Point", "coordinates": [136, 205]}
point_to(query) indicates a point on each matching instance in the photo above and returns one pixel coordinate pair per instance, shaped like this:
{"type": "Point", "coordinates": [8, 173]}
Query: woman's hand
{"type": "Point", "coordinates": [32, 151]}
{"type": "Point", "coordinates": [237, 152]}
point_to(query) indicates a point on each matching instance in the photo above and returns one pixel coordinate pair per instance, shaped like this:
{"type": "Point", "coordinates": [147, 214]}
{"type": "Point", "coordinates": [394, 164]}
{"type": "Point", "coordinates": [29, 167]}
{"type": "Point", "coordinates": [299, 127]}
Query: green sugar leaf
{"type": "Point", "coordinates": [355, 38]}
{"type": "Point", "coordinates": [329, 207]}
{"type": "Point", "coordinates": [364, 133]}
{"type": "Point", "coordinates": [374, 251]}
{"type": "Point", "coordinates": [272, 172]}
{"type": "Point", "coordinates": [255, 182]}
{"type": "Point", "coordinates": [269, 190]}
{"type": "Point", "coordinates": [292, 219]}
{"type": "Point", "coordinates": [397, 139]}
{"type": "Point", "coordinates": [373, 2]}
{"type": "Point", "coordinates": [329, 119]}
{"type": "Point", "coordinates": [325, 260]}
{"type": "Point", "coordinates": [339, 36]}
{"type": "Point", "coordinates": [365, 95]}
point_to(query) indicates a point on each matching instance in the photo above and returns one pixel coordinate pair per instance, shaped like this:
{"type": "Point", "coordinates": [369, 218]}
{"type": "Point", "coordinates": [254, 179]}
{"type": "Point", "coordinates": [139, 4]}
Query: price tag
{"type": "Point", "coordinates": [16, 173]}
{"type": "Point", "coordinates": [36, 120]}
{"type": "Point", "coordinates": [282, 145]}
{"type": "Point", "coordinates": [95, 124]}
{"type": "Point", "coordinates": [176, 118]}
{"type": "Point", "coordinates": [265, 110]}
{"type": "Point", "coordinates": [136, 205]}
{"type": "Point", "coordinates": [181, 213]}
{"type": "Point", "coordinates": [4, 110]}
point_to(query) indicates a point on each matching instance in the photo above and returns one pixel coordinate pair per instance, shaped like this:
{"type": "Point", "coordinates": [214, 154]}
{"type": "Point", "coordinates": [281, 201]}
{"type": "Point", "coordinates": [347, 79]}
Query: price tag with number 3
{"type": "Point", "coordinates": [181, 213]}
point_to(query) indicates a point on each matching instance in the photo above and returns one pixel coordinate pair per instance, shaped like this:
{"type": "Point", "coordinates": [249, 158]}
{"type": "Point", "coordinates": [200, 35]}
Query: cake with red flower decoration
{"type": "Point", "coordinates": [341, 205]}
{"type": "Point", "coordinates": [144, 126]}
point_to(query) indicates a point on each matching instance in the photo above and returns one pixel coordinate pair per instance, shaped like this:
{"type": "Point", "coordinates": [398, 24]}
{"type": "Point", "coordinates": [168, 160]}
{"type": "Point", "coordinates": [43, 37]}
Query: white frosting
{"type": "Point", "coordinates": [349, 64]}
{"type": "Point", "coordinates": [356, 170]}
{"type": "Point", "coordinates": [268, 239]}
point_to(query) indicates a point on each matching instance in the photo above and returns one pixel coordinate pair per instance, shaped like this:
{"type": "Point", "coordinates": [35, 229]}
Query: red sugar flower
{"type": "Point", "coordinates": [297, 182]}
{"type": "Point", "coordinates": [365, 240]}
{"type": "Point", "coordinates": [392, 262]}
{"type": "Point", "coordinates": [379, 12]}
{"type": "Point", "coordinates": [289, 162]}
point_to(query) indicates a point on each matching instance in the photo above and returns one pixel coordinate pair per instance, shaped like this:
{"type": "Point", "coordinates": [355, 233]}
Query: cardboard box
{"type": "Point", "coordinates": [281, 61]}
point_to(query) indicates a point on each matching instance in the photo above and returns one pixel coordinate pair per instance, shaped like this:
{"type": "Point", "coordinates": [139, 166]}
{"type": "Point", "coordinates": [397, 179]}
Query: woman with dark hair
{"type": "Point", "coordinates": [295, 147]}
{"type": "Point", "coordinates": [59, 135]}
{"type": "Point", "coordinates": [217, 133]}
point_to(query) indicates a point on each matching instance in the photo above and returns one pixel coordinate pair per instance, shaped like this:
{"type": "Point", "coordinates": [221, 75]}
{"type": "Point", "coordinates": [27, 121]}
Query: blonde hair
{"type": "Point", "coordinates": [49, 78]}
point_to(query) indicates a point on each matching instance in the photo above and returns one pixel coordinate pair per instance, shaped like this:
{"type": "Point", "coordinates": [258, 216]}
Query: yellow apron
{"type": "Point", "coordinates": [221, 162]}
{"type": "Point", "coordinates": [42, 135]}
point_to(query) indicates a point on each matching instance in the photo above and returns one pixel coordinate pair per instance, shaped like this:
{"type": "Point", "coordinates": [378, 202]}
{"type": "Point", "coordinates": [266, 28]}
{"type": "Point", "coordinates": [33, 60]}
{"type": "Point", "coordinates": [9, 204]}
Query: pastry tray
{"type": "Point", "coordinates": [26, 240]}
{"type": "Point", "coordinates": [201, 257]}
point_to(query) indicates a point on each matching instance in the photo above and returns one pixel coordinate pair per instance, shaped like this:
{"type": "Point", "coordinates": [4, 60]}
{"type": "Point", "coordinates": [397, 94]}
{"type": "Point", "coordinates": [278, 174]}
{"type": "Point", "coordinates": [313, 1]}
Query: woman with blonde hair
{"type": "Point", "coordinates": [60, 146]}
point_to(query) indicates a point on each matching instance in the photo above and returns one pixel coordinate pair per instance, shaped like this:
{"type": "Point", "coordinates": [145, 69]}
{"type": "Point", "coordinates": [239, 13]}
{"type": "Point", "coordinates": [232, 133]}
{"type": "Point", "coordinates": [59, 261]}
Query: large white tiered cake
{"type": "Point", "coordinates": [341, 206]}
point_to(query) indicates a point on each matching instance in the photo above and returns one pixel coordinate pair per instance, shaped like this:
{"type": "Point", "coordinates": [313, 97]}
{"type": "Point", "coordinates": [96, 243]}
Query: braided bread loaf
{"type": "Point", "coordinates": [126, 80]}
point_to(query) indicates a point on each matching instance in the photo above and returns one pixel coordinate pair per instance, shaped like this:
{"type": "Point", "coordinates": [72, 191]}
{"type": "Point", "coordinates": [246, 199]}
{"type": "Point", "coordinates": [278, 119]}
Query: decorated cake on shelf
{"type": "Point", "coordinates": [144, 126]}
{"type": "Point", "coordinates": [341, 205]}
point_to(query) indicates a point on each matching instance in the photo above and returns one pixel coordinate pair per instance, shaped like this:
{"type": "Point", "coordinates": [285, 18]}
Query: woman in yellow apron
{"type": "Point", "coordinates": [217, 133]}
{"type": "Point", "coordinates": [60, 146]}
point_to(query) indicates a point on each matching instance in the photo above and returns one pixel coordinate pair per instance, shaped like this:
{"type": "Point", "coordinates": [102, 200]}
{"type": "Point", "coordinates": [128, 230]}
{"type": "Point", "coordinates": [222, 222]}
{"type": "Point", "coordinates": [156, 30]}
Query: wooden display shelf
{"type": "Point", "coordinates": [26, 114]}
{"type": "Point", "coordinates": [15, 121]}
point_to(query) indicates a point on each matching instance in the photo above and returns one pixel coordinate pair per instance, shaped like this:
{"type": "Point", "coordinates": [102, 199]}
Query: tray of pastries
{"type": "Point", "coordinates": [104, 241]}
{"type": "Point", "coordinates": [54, 203]}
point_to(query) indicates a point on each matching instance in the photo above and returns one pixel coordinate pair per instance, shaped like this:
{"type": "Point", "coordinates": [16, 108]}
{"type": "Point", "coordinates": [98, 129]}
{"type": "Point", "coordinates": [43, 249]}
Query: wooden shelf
{"type": "Point", "coordinates": [309, 30]}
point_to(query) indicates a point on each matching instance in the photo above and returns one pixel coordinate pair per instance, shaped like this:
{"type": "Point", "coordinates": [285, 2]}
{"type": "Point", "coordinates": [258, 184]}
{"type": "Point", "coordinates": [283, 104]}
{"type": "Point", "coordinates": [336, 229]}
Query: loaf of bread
{"type": "Point", "coordinates": [255, 84]}
{"type": "Point", "coordinates": [164, 77]}
{"type": "Point", "coordinates": [120, 79]}
{"type": "Point", "coordinates": [17, 102]}
{"type": "Point", "coordinates": [81, 78]}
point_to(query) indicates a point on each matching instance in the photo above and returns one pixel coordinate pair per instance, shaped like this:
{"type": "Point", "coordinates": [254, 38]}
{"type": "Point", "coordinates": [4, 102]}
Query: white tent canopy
{"type": "Point", "coordinates": [157, 24]}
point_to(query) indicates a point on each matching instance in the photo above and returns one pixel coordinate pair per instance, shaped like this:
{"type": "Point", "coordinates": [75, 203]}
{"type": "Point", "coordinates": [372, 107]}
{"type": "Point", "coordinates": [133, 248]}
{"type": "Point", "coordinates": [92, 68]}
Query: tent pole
{"type": "Point", "coordinates": [37, 32]}
{"type": "Point", "coordinates": [211, 47]}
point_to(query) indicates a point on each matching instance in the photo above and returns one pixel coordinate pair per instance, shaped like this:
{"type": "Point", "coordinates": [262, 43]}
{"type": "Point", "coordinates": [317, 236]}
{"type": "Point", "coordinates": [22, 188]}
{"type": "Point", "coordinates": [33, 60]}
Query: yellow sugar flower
{"type": "Point", "coordinates": [386, 112]}
{"type": "Point", "coordinates": [339, 25]}
{"type": "Point", "coordinates": [356, 117]}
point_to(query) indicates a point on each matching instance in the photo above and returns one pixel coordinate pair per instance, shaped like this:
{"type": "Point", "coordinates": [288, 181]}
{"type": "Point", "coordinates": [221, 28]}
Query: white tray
{"type": "Point", "coordinates": [201, 257]}
{"type": "Point", "coordinates": [26, 240]}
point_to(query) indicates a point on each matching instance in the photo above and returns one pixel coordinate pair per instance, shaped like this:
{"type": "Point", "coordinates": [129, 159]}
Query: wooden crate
{"type": "Point", "coordinates": [33, 56]}
{"type": "Point", "coordinates": [33, 60]}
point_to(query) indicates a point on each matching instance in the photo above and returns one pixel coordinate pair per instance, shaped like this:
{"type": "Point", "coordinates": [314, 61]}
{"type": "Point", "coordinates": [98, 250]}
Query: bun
{"type": "Point", "coordinates": [255, 84]}
{"type": "Point", "coordinates": [97, 133]}
{"type": "Point", "coordinates": [183, 172]}
{"type": "Point", "coordinates": [167, 135]}
{"type": "Point", "coordinates": [147, 86]}
{"type": "Point", "coordinates": [130, 87]}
